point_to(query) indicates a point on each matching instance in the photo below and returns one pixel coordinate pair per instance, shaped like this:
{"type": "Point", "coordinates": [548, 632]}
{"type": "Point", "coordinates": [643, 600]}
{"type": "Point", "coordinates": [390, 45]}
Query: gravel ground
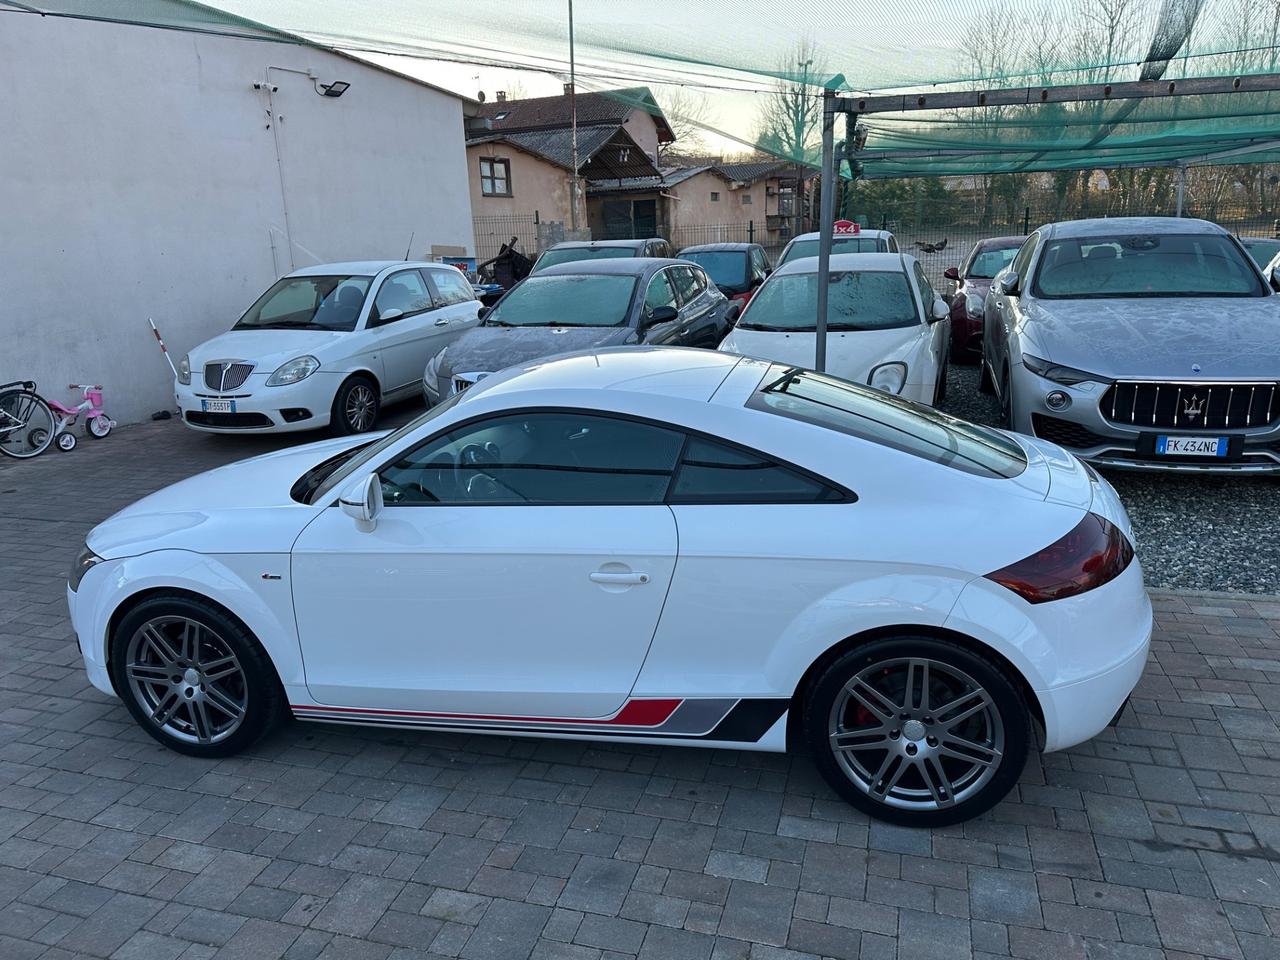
{"type": "Point", "coordinates": [1194, 533]}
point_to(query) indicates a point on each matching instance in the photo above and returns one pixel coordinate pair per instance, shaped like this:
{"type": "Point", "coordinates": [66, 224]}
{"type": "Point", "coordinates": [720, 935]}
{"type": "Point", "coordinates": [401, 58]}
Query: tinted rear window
{"type": "Point", "coordinates": [890, 421]}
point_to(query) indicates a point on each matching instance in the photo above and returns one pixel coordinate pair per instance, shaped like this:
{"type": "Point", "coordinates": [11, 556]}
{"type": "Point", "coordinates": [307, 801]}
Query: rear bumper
{"type": "Point", "coordinates": [1079, 711]}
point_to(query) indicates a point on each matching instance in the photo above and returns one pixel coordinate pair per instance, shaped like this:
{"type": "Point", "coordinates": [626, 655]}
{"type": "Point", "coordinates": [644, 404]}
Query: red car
{"type": "Point", "coordinates": [973, 280]}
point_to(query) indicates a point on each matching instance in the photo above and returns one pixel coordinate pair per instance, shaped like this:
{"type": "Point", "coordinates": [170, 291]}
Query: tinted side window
{"type": "Point", "coordinates": [686, 283]}
{"type": "Point", "coordinates": [1023, 259]}
{"type": "Point", "coordinates": [451, 287]}
{"type": "Point", "coordinates": [927, 296]}
{"type": "Point", "coordinates": [403, 291]}
{"type": "Point", "coordinates": [538, 458]}
{"type": "Point", "coordinates": [892, 245]}
{"type": "Point", "coordinates": [660, 293]}
{"type": "Point", "coordinates": [713, 473]}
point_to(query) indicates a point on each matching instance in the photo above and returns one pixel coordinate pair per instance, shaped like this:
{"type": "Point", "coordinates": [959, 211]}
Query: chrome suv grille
{"type": "Point", "coordinates": [463, 380]}
{"type": "Point", "coordinates": [1192, 406]}
{"type": "Point", "coordinates": [226, 374]}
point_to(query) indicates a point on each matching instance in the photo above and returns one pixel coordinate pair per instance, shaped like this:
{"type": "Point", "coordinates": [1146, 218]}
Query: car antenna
{"type": "Point", "coordinates": [410, 245]}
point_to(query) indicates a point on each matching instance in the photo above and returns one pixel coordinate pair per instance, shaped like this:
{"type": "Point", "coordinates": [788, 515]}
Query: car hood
{"type": "Point", "coordinates": [268, 349]}
{"type": "Point", "coordinates": [1227, 338]}
{"type": "Point", "coordinates": [243, 507]}
{"type": "Point", "coordinates": [489, 349]}
{"type": "Point", "coordinates": [850, 354]}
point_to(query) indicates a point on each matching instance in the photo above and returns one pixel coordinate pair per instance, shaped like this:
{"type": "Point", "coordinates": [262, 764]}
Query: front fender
{"type": "Point", "coordinates": [255, 588]}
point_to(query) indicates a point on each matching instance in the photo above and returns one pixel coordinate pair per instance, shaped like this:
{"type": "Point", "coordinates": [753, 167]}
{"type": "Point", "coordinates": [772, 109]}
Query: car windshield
{"type": "Point", "coordinates": [343, 466]}
{"type": "Point", "coordinates": [809, 248]}
{"type": "Point", "coordinates": [574, 254]}
{"type": "Point", "coordinates": [567, 300]}
{"type": "Point", "coordinates": [726, 268]}
{"type": "Point", "coordinates": [308, 303]}
{"type": "Point", "coordinates": [1145, 265]}
{"type": "Point", "coordinates": [1262, 251]}
{"type": "Point", "coordinates": [856, 300]}
{"type": "Point", "coordinates": [890, 421]}
{"type": "Point", "coordinates": [987, 263]}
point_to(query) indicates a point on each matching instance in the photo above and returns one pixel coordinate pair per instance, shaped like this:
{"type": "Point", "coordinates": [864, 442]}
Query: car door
{"type": "Point", "coordinates": [517, 569]}
{"type": "Point", "coordinates": [661, 292]}
{"type": "Point", "coordinates": [401, 326]}
{"type": "Point", "coordinates": [459, 307]}
{"type": "Point", "coordinates": [698, 318]}
{"type": "Point", "coordinates": [1002, 309]}
{"type": "Point", "coordinates": [936, 333]}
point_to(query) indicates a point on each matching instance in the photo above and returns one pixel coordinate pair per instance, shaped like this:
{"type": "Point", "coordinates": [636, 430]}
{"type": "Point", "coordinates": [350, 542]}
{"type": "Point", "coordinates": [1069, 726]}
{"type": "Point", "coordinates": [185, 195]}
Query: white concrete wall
{"type": "Point", "coordinates": [138, 177]}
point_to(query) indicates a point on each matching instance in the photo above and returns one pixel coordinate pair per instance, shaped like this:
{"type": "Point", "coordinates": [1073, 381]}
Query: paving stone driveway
{"type": "Point", "coordinates": [1161, 838]}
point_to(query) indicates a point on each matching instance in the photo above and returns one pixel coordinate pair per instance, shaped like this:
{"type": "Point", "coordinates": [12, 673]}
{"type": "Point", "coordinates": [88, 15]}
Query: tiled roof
{"type": "Point", "coordinates": [670, 178]}
{"type": "Point", "coordinates": [544, 113]}
{"type": "Point", "coordinates": [556, 146]}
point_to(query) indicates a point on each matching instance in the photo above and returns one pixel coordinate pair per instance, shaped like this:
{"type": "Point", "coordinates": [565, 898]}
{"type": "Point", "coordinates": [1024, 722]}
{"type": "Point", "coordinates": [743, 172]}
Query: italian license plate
{"type": "Point", "coordinates": [218, 406]}
{"type": "Point", "coordinates": [1192, 446]}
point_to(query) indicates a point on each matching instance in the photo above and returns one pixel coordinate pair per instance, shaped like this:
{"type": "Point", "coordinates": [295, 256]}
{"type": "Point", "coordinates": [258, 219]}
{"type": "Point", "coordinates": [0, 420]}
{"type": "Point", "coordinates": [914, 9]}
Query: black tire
{"type": "Point", "coordinates": [253, 683]}
{"type": "Point", "coordinates": [356, 391]}
{"type": "Point", "coordinates": [915, 801]}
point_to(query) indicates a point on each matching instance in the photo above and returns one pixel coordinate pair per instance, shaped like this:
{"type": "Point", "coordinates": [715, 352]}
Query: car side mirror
{"type": "Point", "coordinates": [362, 501]}
{"type": "Point", "coordinates": [940, 310]}
{"type": "Point", "coordinates": [1007, 284]}
{"type": "Point", "coordinates": [952, 273]}
{"type": "Point", "coordinates": [483, 312]}
{"type": "Point", "coordinates": [386, 316]}
{"type": "Point", "coordinates": [663, 314]}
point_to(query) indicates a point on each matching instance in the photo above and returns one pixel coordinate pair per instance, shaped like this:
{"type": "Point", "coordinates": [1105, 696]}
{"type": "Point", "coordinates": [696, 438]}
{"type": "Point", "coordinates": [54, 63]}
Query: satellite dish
{"type": "Point", "coordinates": [480, 96]}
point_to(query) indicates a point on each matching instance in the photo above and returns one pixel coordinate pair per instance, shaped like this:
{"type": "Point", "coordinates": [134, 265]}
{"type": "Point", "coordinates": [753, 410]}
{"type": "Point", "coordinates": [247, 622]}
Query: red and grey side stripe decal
{"type": "Point", "coordinates": [733, 720]}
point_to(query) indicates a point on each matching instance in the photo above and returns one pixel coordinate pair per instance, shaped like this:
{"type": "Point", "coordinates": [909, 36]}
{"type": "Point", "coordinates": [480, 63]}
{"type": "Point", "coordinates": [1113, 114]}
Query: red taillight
{"type": "Point", "coordinates": [744, 297]}
{"type": "Point", "coordinates": [1093, 553]}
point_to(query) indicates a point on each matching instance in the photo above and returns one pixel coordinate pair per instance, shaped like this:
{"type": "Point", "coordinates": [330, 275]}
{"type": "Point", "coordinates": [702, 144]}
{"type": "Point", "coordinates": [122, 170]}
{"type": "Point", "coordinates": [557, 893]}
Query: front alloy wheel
{"type": "Point", "coordinates": [192, 677]}
{"type": "Point", "coordinates": [918, 731]}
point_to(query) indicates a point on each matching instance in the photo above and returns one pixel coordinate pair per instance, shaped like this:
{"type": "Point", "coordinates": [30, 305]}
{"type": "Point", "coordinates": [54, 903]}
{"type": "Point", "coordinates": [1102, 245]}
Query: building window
{"type": "Point", "coordinates": [715, 196]}
{"type": "Point", "coordinates": [495, 177]}
{"type": "Point", "coordinates": [746, 198]}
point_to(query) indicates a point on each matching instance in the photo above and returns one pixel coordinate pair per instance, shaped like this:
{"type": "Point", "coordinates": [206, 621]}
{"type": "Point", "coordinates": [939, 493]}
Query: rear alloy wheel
{"type": "Point", "coordinates": [917, 731]}
{"type": "Point", "coordinates": [355, 408]}
{"type": "Point", "coordinates": [192, 677]}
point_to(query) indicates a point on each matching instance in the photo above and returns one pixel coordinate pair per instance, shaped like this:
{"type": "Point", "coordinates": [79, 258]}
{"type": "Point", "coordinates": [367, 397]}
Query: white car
{"type": "Point", "coordinates": [649, 544]}
{"type": "Point", "coordinates": [865, 241]}
{"type": "Point", "coordinates": [885, 325]}
{"type": "Point", "coordinates": [326, 346]}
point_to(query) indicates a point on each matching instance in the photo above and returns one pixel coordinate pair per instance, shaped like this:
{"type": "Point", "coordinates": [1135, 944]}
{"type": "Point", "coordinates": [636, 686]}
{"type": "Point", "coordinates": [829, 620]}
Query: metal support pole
{"type": "Point", "coordinates": [1182, 187]}
{"type": "Point", "coordinates": [573, 125]}
{"type": "Point", "coordinates": [827, 223]}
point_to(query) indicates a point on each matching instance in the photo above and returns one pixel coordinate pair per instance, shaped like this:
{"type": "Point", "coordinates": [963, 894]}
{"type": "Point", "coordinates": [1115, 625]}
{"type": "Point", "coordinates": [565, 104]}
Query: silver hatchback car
{"type": "Point", "coordinates": [1142, 343]}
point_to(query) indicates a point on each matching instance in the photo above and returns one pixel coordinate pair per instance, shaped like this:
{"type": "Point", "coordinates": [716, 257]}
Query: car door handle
{"type": "Point", "coordinates": [619, 578]}
{"type": "Point", "coordinates": [442, 322]}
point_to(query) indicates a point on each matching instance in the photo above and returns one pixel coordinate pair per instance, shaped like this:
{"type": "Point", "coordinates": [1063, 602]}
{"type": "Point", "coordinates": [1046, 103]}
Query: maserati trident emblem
{"type": "Point", "coordinates": [1192, 407]}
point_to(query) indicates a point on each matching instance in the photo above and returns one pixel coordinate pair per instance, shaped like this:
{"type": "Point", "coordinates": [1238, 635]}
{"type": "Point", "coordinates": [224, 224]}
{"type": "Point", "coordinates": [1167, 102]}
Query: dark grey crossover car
{"type": "Point", "coordinates": [1139, 342]}
{"type": "Point", "coordinates": [583, 305]}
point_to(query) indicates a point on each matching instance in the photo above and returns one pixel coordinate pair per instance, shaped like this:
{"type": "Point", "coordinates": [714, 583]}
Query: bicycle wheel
{"type": "Point", "coordinates": [26, 424]}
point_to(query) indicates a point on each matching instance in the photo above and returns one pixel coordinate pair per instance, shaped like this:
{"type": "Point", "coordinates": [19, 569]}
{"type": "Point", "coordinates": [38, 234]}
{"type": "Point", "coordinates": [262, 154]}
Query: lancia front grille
{"type": "Point", "coordinates": [1192, 406]}
{"type": "Point", "coordinates": [223, 375]}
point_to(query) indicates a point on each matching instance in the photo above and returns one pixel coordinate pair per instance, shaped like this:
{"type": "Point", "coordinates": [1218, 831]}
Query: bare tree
{"type": "Point", "coordinates": [688, 114]}
{"type": "Point", "coordinates": [790, 118]}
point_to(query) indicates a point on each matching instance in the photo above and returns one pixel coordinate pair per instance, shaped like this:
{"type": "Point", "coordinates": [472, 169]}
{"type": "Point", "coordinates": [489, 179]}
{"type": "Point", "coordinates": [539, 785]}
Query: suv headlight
{"type": "Point", "coordinates": [299, 368]}
{"type": "Point", "coordinates": [184, 370]}
{"type": "Point", "coordinates": [973, 304]}
{"type": "Point", "coordinates": [85, 560]}
{"type": "Point", "coordinates": [889, 377]}
{"type": "Point", "coordinates": [1058, 373]}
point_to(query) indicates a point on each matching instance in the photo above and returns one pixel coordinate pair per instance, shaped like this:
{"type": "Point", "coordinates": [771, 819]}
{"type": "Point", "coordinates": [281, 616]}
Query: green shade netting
{"type": "Point", "coordinates": [736, 54]}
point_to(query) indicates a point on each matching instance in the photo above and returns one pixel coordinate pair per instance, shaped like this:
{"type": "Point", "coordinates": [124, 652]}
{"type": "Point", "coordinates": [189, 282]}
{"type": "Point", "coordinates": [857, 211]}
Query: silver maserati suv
{"type": "Point", "coordinates": [1142, 343]}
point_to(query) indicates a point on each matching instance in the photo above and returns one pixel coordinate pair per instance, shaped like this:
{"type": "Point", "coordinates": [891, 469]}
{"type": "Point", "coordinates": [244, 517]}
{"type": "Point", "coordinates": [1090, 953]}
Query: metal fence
{"type": "Point", "coordinates": [492, 232]}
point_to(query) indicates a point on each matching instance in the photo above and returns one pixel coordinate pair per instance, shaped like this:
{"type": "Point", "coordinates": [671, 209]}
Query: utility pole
{"type": "Point", "coordinates": [1182, 187]}
{"type": "Point", "coordinates": [826, 225]}
{"type": "Point", "coordinates": [573, 126]}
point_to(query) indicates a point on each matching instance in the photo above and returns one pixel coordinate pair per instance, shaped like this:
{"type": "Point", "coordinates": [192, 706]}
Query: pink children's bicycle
{"type": "Point", "coordinates": [97, 424]}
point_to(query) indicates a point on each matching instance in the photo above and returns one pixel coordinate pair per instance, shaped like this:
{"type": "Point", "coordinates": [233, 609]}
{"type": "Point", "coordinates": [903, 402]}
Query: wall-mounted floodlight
{"type": "Point", "coordinates": [335, 89]}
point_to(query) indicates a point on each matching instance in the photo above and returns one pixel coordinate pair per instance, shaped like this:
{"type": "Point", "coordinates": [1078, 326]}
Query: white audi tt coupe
{"type": "Point", "coordinates": [653, 545]}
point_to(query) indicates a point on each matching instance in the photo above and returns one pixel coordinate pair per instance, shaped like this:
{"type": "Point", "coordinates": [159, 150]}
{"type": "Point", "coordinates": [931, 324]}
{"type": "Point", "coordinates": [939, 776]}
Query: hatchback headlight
{"type": "Point", "coordinates": [973, 304]}
{"type": "Point", "coordinates": [299, 368]}
{"type": "Point", "coordinates": [889, 377]}
{"type": "Point", "coordinates": [85, 560]}
{"type": "Point", "coordinates": [433, 368]}
{"type": "Point", "coordinates": [184, 370]}
{"type": "Point", "coordinates": [1058, 373]}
